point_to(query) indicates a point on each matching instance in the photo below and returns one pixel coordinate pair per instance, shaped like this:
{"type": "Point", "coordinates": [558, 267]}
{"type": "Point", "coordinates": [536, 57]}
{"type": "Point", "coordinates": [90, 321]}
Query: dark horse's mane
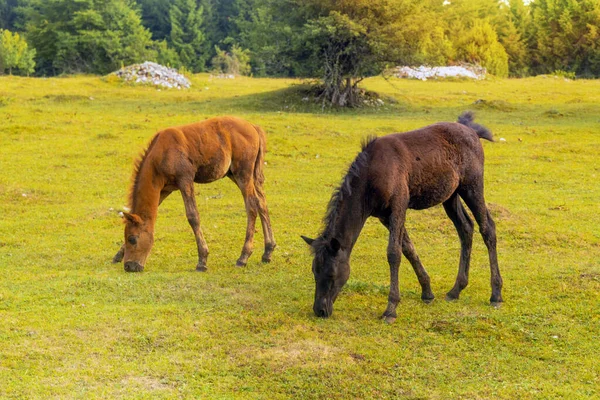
{"type": "Point", "coordinates": [345, 188]}
{"type": "Point", "coordinates": [137, 167]}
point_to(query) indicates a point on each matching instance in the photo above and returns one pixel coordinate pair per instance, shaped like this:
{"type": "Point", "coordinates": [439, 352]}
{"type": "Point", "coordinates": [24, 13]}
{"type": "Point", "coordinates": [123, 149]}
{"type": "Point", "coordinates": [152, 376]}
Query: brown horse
{"type": "Point", "coordinates": [440, 163]}
{"type": "Point", "coordinates": [202, 152]}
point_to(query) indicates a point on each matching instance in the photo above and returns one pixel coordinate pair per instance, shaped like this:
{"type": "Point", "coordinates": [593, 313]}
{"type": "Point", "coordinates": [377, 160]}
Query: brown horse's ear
{"type": "Point", "coordinates": [132, 218]}
{"type": "Point", "coordinates": [308, 240]}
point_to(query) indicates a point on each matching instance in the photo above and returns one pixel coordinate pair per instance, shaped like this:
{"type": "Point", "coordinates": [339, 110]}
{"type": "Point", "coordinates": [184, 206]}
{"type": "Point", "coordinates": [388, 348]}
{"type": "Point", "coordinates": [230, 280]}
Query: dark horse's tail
{"type": "Point", "coordinates": [466, 119]}
{"type": "Point", "coordinates": [259, 176]}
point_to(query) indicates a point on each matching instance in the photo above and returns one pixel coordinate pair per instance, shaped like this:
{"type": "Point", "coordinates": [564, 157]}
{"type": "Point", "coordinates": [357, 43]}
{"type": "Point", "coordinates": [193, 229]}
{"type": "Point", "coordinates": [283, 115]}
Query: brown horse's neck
{"type": "Point", "coordinates": [145, 193]}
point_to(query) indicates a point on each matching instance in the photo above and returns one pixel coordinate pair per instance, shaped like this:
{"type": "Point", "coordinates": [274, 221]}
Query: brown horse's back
{"type": "Point", "coordinates": [211, 148]}
{"type": "Point", "coordinates": [427, 165]}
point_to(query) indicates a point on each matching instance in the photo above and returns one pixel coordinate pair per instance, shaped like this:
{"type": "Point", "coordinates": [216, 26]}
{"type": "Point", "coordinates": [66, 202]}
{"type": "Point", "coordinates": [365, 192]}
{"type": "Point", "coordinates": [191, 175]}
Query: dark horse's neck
{"type": "Point", "coordinates": [349, 206]}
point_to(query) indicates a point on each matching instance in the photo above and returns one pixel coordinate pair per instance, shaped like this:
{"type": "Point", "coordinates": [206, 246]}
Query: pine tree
{"type": "Point", "coordinates": [187, 37]}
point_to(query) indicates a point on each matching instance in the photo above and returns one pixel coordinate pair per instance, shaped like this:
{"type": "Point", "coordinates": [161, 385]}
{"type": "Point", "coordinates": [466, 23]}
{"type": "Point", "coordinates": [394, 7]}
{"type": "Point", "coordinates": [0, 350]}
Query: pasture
{"type": "Point", "coordinates": [73, 325]}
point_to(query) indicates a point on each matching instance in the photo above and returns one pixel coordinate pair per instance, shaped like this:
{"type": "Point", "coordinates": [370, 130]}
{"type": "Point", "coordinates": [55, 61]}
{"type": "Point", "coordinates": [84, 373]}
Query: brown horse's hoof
{"type": "Point", "coordinates": [266, 259]}
{"type": "Point", "coordinates": [389, 320]}
{"type": "Point", "coordinates": [201, 268]}
{"type": "Point", "coordinates": [118, 257]}
{"type": "Point", "coordinates": [240, 264]}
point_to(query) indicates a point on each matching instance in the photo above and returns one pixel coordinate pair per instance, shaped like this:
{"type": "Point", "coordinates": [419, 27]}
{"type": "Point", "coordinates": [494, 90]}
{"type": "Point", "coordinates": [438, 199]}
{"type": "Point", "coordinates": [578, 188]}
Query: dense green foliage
{"type": "Point", "coordinates": [14, 53]}
{"type": "Point", "coordinates": [73, 325]}
{"type": "Point", "coordinates": [342, 41]}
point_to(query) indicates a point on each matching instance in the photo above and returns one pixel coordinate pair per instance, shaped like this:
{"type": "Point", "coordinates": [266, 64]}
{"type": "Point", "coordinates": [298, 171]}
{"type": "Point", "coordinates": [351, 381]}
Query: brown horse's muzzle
{"type": "Point", "coordinates": [133, 266]}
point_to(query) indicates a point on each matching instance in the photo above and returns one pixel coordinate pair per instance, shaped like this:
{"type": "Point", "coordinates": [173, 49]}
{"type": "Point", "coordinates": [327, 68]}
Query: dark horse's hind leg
{"type": "Point", "coordinates": [121, 253]}
{"type": "Point", "coordinates": [476, 203]}
{"type": "Point", "coordinates": [464, 227]}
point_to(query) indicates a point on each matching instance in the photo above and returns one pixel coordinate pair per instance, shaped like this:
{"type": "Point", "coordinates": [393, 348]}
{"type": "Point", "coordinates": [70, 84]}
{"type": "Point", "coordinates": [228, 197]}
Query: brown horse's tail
{"type": "Point", "coordinates": [259, 176]}
{"type": "Point", "coordinates": [466, 119]}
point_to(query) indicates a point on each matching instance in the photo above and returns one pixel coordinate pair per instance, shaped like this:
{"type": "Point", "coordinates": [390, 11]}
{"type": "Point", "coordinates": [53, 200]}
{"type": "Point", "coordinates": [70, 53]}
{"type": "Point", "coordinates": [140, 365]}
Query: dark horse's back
{"type": "Point", "coordinates": [426, 166]}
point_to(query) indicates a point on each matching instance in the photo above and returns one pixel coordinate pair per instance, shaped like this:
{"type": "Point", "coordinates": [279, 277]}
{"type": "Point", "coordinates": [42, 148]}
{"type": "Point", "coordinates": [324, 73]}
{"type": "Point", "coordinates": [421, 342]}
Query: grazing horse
{"type": "Point", "coordinates": [202, 152]}
{"type": "Point", "coordinates": [440, 163]}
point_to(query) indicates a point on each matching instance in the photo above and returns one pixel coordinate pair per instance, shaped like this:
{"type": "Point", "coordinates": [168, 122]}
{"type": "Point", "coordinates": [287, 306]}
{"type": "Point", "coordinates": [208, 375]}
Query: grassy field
{"type": "Point", "coordinates": [73, 325]}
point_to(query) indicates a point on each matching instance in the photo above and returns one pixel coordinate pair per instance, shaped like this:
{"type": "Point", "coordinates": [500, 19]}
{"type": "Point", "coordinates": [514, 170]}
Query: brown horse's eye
{"type": "Point", "coordinates": [132, 240]}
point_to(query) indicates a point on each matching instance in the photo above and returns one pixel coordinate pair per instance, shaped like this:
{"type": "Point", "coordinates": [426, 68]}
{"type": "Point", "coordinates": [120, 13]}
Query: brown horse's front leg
{"type": "Point", "coordinates": [191, 211]}
{"type": "Point", "coordinates": [119, 256]}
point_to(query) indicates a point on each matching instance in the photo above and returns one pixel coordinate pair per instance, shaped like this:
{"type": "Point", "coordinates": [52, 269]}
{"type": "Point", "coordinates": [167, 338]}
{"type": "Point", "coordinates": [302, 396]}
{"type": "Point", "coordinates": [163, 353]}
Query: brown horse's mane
{"type": "Point", "coordinates": [345, 188]}
{"type": "Point", "coordinates": [137, 167]}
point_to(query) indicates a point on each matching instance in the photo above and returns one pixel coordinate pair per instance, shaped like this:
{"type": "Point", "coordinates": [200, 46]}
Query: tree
{"type": "Point", "coordinates": [339, 41]}
{"type": "Point", "coordinates": [15, 54]}
{"type": "Point", "coordinates": [186, 34]}
{"type": "Point", "coordinates": [156, 18]}
{"type": "Point", "coordinates": [567, 36]}
{"type": "Point", "coordinates": [8, 14]}
{"type": "Point", "coordinates": [479, 45]}
{"type": "Point", "coordinates": [93, 36]}
{"type": "Point", "coordinates": [235, 62]}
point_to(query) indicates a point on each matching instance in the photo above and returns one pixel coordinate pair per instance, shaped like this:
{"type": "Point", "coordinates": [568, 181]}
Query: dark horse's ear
{"type": "Point", "coordinates": [334, 246]}
{"type": "Point", "coordinates": [132, 218]}
{"type": "Point", "coordinates": [308, 240]}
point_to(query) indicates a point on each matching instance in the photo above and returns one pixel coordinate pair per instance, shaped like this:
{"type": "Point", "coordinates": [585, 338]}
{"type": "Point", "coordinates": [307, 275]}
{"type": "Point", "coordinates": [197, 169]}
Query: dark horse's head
{"type": "Point", "coordinates": [139, 238]}
{"type": "Point", "coordinates": [331, 268]}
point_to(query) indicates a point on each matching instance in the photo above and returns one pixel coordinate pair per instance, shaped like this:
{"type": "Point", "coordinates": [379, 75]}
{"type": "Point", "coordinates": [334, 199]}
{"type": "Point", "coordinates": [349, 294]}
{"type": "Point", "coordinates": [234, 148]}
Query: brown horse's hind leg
{"type": "Point", "coordinates": [464, 226]}
{"type": "Point", "coordinates": [251, 202]}
{"type": "Point", "coordinates": [411, 255]}
{"type": "Point", "coordinates": [121, 253]}
{"type": "Point", "coordinates": [191, 212]}
{"type": "Point", "coordinates": [265, 221]}
{"type": "Point", "coordinates": [487, 228]}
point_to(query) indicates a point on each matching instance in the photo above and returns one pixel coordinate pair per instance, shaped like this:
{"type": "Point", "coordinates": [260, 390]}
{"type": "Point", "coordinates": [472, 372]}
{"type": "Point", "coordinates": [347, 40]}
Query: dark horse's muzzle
{"type": "Point", "coordinates": [322, 308]}
{"type": "Point", "coordinates": [133, 266]}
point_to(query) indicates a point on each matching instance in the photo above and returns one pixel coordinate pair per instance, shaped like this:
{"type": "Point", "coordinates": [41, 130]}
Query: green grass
{"type": "Point", "coordinates": [72, 325]}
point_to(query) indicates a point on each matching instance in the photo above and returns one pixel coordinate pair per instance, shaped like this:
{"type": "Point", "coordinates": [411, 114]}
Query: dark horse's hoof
{"type": "Point", "coordinates": [451, 297]}
{"type": "Point", "coordinates": [496, 304]}
{"type": "Point", "coordinates": [201, 268]}
{"type": "Point", "coordinates": [427, 300]}
{"type": "Point", "coordinates": [240, 264]}
{"type": "Point", "coordinates": [266, 259]}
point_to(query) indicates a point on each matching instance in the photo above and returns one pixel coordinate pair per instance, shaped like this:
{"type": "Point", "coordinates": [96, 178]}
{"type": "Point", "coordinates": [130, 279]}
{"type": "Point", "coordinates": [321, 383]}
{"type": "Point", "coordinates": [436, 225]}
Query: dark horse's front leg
{"type": "Point", "coordinates": [394, 253]}
{"type": "Point", "coordinates": [408, 249]}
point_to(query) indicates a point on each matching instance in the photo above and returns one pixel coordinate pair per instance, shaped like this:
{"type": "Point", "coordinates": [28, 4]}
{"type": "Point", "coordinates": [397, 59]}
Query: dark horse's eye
{"type": "Point", "coordinates": [132, 240]}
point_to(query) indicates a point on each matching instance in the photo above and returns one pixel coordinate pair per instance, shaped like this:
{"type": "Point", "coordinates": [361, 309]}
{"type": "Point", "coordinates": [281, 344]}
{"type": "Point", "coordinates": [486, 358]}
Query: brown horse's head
{"type": "Point", "coordinates": [139, 238]}
{"type": "Point", "coordinates": [331, 268]}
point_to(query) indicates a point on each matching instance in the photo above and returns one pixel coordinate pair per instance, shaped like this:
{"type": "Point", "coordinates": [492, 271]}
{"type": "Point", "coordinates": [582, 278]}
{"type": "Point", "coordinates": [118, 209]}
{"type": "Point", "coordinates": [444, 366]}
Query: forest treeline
{"type": "Point", "coordinates": [339, 40]}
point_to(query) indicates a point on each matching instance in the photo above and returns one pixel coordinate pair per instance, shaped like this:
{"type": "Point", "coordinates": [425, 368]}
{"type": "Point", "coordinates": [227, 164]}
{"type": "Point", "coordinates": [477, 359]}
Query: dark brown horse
{"type": "Point", "coordinates": [440, 163]}
{"type": "Point", "coordinates": [202, 152]}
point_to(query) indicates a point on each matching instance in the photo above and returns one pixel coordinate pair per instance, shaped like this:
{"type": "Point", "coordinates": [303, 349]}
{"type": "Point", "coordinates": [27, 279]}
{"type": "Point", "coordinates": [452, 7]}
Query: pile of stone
{"type": "Point", "coordinates": [153, 74]}
{"type": "Point", "coordinates": [424, 73]}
